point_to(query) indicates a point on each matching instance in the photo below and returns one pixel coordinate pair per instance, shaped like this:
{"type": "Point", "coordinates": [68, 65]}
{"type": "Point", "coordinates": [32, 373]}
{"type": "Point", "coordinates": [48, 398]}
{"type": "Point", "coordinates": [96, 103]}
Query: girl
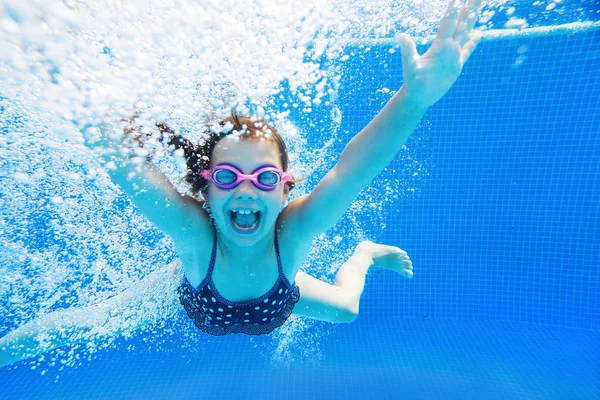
{"type": "Point", "coordinates": [240, 252]}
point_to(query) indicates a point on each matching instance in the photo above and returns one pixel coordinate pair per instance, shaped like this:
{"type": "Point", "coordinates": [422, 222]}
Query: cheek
{"type": "Point", "coordinates": [215, 200]}
{"type": "Point", "coordinates": [276, 194]}
{"type": "Point", "coordinates": [277, 200]}
{"type": "Point", "coordinates": [216, 194]}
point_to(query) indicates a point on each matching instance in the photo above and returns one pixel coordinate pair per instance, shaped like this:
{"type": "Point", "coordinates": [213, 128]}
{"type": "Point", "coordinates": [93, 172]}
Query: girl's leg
{"type": "Point", "coordinates": [340, 302]}
{"type": "Point", "coordinates": [50, 331]}
{"type": "Point", "coordinates": [138, 306]}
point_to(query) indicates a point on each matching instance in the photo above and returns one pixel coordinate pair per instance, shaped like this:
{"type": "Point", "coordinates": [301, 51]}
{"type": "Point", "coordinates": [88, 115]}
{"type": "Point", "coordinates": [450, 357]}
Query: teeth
{"type": "Point", "coordinates": [243, 211]}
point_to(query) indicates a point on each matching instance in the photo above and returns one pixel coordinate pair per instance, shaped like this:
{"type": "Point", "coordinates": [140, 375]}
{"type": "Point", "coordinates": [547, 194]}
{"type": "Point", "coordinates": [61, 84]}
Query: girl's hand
{"type": "Point", "coordinates": [428, 77]}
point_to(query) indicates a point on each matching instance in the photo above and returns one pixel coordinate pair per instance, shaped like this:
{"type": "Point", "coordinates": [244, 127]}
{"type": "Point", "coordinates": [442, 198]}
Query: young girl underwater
{"type": "Point", "coordinates": [240, 252]}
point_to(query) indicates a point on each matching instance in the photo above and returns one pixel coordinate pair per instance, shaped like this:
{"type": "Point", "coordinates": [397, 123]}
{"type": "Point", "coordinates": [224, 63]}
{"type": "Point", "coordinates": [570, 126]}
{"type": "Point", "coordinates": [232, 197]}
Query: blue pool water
{"type": "Point", "coordinates": [497, 201]}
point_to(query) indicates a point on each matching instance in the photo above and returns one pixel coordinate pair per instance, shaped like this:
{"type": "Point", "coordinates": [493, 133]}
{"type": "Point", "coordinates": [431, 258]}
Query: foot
{"type": "Point", "coordinates": [388, 257]}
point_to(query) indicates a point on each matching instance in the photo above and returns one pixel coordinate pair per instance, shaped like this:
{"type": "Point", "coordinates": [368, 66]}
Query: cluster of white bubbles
{"type": "Point", "coordinates": [71, 240]}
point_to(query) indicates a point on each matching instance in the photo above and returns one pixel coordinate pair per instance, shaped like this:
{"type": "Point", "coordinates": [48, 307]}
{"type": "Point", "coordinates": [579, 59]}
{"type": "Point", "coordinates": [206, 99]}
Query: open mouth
{"type": "Point", "coordinates": [244, 221]}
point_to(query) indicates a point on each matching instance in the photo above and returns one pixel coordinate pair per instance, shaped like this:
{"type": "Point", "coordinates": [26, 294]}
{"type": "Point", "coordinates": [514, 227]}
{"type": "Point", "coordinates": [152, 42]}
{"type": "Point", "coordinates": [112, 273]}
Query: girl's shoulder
{"type": "Point", "coordinates": [293, 246]}
{"type": "Point", "coordinates": [194, 252]}
{"type": "Point", "coordinates": [194, 239]}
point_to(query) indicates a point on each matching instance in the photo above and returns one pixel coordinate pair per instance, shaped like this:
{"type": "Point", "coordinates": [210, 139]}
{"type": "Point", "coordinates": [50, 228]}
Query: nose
{"type": "Point", "coordinates": [246, 191]}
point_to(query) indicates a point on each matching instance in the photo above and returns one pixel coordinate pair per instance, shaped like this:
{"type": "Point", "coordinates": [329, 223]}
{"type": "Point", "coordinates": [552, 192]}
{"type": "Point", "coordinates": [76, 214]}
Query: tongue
{"type": "Point", "coordinates": [245, 220]}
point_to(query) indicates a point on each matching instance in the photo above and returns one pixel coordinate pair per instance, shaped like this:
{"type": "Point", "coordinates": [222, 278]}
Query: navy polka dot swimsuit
{"type": "Point", "coordinates": [218, 316]}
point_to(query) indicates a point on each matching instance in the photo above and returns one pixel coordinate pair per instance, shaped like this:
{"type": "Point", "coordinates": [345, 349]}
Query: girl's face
{"type": "Point", "coordinates": [246, 154]}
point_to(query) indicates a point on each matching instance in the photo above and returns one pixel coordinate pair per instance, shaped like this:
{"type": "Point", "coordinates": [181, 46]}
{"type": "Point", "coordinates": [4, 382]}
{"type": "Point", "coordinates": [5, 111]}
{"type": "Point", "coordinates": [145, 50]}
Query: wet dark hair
{"type": "Point", "coordinates": [198, 156]}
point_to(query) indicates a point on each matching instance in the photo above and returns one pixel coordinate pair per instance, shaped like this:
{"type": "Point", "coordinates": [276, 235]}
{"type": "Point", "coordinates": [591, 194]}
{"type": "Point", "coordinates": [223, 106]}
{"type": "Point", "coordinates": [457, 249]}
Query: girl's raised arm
{"type": "Point", "coordinates": [426, 79]}
{"type": "Point", "coordinates": [122, 152]}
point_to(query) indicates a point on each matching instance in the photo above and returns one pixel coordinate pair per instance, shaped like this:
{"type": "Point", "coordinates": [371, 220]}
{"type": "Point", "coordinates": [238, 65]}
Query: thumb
{"type": "Point", "coordinates": [408, 49]}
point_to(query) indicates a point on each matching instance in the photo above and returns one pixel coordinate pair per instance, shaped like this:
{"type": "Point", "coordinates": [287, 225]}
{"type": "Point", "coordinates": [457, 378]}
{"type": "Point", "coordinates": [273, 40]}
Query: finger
{"type": "Point", "coordinates": [468, 17]}
{"type": "Point", "coordinates": [467, 50]}
{"type": "Point", "coordinates": [460, 25]}
{"type": "Point", "coordinates": [473, 14]}
{"type": "Point", "coordinates": [408, 50]}
{"type": "Point", "coordinates": [448, 24]}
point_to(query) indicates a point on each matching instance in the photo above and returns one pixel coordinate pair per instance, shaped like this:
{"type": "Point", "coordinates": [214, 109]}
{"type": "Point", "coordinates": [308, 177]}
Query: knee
{"type": "Point", "coordinates": [364, 247]}
{"type": "Point", "coordinates": [348, 315]}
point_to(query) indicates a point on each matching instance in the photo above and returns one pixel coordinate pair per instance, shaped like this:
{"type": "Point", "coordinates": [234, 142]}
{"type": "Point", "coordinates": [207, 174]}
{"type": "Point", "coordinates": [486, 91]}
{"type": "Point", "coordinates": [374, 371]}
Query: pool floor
{"type": "Point", "coordinates": [393, 359]}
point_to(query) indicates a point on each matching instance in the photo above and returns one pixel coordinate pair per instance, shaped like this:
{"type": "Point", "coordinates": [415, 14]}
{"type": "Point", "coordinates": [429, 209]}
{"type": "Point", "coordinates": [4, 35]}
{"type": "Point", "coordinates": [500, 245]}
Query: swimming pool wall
{"type": "Point", "coordinates": [499, 187]}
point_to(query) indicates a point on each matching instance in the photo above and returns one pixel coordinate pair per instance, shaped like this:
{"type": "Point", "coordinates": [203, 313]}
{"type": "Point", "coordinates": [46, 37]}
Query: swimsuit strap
{"type": "Point", "coordinates": [213, 256]}
{"type": "Point", "coordinates": [278, 256]}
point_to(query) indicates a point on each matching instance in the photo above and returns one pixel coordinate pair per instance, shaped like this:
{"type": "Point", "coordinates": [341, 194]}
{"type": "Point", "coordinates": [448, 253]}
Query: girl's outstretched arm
{"type": "Point", "coordinates": [125, 152]}
{"type": "Point", "coordinates": [426, 79]}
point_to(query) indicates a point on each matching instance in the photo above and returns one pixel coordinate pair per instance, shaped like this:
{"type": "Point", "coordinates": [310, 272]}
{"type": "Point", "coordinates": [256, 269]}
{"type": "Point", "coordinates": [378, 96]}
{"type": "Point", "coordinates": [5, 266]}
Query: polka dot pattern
{"type": "Point", "coordinates": [218, 316]}
{"type": "Point", "coordinates": [219, 319]}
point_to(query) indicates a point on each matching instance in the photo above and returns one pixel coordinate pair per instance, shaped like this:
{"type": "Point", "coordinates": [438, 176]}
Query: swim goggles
{"type": "Point", "coordinates": [228, 176]}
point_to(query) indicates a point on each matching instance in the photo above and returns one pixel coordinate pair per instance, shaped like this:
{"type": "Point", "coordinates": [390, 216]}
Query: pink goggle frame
{"type": "Point", "coordinates": [267, 172]}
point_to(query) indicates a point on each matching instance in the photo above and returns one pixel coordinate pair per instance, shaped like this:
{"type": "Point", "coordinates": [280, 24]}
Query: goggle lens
{"type": "Point", "coordinates": [227, 176]}
{"type": "Point", "coordinates": [268, 178]}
